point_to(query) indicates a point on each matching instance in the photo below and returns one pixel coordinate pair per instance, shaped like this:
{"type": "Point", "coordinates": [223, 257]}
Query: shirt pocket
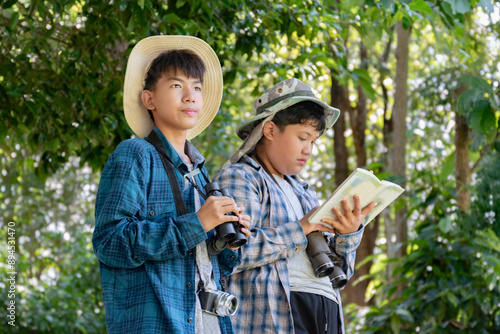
{"type": "Point", "coordinates": [159, 211]}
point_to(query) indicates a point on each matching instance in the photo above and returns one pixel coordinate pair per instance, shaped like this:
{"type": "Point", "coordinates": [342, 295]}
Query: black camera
{"type": "Point", "coordinates": [218, 302]}
{"type": "Point", "coordinates": [324, 261]}
{"type": "Point", "coordinates": [228, 232]}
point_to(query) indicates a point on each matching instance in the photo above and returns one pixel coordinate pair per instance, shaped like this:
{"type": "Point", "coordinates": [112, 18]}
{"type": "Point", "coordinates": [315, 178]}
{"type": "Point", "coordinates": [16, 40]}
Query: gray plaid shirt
{"type": "Point", "coordinates": [261, 281]}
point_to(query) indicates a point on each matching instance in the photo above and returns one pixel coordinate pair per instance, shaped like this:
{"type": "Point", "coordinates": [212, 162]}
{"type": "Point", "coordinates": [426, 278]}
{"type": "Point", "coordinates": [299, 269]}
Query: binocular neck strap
{"type": "Point", "coordinates": [174, 184]}
{"type": "Point", "coordinates": [169, 168]}
{"type": "Point", "coordinates": [277, 183]}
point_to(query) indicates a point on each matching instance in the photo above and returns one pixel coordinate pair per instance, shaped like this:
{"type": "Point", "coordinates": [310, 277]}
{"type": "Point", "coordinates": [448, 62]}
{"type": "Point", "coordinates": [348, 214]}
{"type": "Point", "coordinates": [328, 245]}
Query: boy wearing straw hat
{"type": "Point", "coordinates": [151, 241]}
{"type": "Point", "coordinates": [276, 283]}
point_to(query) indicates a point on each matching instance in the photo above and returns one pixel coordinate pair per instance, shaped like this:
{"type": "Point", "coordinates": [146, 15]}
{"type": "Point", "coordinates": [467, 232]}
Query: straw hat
{"type": "Point", "coordinates": [140, 59]}
{"type": "Point", "coordinates": [279, 97]}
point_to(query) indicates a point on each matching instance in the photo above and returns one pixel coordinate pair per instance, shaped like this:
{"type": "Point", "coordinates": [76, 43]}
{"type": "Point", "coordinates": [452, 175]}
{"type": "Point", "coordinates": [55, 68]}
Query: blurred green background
{"type": "Point", "coordinates": [418, 84]}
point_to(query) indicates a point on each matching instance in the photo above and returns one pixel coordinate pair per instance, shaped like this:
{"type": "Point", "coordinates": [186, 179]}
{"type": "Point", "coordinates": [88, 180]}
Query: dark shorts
{"type": "Point", "coordinates": [314, 314]}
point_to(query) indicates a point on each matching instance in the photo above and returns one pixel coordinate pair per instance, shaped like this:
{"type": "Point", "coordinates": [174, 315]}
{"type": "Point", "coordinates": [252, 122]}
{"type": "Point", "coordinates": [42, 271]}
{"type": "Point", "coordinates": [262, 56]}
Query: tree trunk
{"type": "Point", "coordinates": [462, 163]}
{"type": "Point", "coordinates": [356, 293]}
{"type": "Point", "coordinates": [340, 99]}
{"type": "Point", "coordinates": [397, 231]}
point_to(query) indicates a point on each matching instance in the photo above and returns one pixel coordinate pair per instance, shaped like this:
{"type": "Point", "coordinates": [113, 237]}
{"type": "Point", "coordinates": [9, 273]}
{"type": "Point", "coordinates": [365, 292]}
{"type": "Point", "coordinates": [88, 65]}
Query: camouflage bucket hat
{"type": "Point", "coordinates": [279, 97]}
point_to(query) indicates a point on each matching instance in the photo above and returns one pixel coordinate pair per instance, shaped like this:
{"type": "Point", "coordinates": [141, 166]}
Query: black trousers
{"type": "Point", "coordinates": [314, 314]}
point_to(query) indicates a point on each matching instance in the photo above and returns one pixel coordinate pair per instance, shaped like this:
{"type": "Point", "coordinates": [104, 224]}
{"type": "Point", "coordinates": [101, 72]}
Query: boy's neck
{"type": "Point", "coordinates": [178, 141]}
{"type": "Point", "coordinates": [261, 154]}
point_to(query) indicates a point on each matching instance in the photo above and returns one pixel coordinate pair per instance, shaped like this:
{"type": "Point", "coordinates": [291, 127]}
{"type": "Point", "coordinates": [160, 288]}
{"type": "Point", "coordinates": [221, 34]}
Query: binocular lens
{"type": "Point", "coordinates": [324, 269]}
{"type": "Point", "coordinates": [239, 240]}
{"type": "Point", "coordinates": [338, 278]}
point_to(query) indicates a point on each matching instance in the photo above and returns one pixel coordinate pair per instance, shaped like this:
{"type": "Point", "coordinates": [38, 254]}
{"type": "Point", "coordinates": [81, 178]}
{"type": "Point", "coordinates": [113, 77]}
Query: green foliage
{"type": "Point", "coordinates": [478, 105]}
{"type": "Point", "coordinates": [58, 284]}
{"type": "Point", "coordinates": [451, 276]}
{"type": "Point", "coordinates": [77, 52]}
{"type": "Point", "coordinates": [61, 73]}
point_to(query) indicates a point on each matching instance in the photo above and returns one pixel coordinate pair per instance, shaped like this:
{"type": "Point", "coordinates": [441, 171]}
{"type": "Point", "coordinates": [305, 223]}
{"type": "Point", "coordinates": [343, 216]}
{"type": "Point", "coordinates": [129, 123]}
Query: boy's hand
{"type": "Point", "coordinates": [308, 227]}
{"type": "Point", "coordinates": [349, 220]}
{"type": "Point", "coordinates": [245, 225]}
{"type": "Point", "coordinates": [213, 212]}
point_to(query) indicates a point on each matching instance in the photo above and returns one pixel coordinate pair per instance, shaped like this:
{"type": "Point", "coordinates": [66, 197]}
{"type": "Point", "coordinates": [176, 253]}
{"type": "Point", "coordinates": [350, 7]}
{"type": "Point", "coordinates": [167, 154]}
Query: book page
{"type": "Point", "coordinates": [384, 198]}
{"type": "Point", "coordinates": [368, 187]}
{"type": "Point", "coordinates": [361, 182]}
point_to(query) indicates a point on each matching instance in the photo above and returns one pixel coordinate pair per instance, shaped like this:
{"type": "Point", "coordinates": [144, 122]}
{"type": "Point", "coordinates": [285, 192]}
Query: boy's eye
{"type": "Point", "coordinates": [198, 89]}
{"type": "Point", "coordinates": [302, 139]}
{"type": "Point", "coordinates": [176, 86]}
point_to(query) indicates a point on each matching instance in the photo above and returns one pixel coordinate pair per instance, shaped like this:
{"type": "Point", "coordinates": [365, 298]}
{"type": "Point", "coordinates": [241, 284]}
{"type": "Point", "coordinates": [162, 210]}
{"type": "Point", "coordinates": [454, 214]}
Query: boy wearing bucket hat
{"type": "Point", "coordinates": [275, 282]}
{"type": "Point", "coordinates": [151, 241]}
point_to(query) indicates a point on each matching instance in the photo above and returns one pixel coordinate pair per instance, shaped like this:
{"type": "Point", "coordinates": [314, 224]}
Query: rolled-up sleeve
{"type": "Point", "coordinates": [265, 244]}
{"type": "Point", "coordinates": [345, 246]}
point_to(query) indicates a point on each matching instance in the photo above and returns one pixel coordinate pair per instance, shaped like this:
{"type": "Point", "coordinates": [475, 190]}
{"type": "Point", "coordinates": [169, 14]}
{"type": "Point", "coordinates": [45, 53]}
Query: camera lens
{"type": "Point", "coordinates": [226, 304]}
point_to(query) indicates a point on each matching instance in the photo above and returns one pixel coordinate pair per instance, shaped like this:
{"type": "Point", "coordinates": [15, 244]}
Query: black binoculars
{"type": "Point", "coordinates": [324, 261]}
{"type": "Point", "coordinates": [228, 233]}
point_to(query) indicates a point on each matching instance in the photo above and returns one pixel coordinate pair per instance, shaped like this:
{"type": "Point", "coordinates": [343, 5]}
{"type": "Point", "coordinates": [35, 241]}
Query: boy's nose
{"type": "Point", "coordinates": [189, 96]}
{"type": "Point", "coordinates": [307, 149]}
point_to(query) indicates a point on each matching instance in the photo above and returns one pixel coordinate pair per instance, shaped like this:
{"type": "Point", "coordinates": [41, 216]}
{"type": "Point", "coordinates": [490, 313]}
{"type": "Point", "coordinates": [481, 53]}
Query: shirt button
{"type": "Point", "coordinates": [339, 241]}
{"type": "Point", "coordinates": [190, 252]}
{"type": "Point", "coordinates": [296, 250]}
{"type": "Point", "coordinates": [189, 284]}
{"type": "Point", "coordinates": [190, 320]}
{"type": "Point", "coordinates": [233, 257]}
{"type": "Point", "coordinates": [151, 213]}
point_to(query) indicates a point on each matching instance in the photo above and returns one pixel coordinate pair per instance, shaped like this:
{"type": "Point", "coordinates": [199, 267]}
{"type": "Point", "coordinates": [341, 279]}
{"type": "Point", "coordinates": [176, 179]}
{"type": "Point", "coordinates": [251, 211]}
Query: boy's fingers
{"type": "Point", "coordinates": [369, 208]}
{"type": "Point", "coordinates": [347, 209]}
{"type": "Point", "coordinates": [357, 205]}
{"type": "Point", "coordinates": [323, 228]}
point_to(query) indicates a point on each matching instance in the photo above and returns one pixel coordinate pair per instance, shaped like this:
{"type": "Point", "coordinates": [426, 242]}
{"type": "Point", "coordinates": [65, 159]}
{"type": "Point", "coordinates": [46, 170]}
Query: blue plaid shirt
{"type": "Point", "coordinates": [146, 252]}
{"type": "Point", "coordinates": [261, 281]}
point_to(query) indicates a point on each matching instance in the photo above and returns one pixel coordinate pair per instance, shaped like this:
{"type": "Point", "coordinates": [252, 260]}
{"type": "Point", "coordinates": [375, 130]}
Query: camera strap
{"type": "Point", "coordinates": [277, 183]}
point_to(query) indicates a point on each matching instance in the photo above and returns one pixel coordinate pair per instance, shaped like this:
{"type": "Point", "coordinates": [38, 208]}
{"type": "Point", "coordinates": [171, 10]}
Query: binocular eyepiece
{"type": "Point", "coordinates": [228, 233]}
{"type": "Point", "coordinates": [324, 261]}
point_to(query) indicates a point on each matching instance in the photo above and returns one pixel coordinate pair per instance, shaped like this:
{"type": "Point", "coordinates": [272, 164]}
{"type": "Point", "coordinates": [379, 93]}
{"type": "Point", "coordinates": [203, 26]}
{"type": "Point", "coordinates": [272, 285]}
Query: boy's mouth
{"type": "Point", "coordinates": [189, 111]}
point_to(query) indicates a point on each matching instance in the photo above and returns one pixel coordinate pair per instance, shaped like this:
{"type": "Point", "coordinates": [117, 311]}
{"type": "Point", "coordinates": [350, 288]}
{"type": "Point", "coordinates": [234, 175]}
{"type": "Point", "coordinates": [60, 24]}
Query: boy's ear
{"type": "Point", "coordinates": [147, 99]}
{"type": "Point", "coordinates": [269, 130]}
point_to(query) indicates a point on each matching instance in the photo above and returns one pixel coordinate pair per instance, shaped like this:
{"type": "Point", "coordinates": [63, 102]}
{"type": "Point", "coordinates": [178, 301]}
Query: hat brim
{"type": "Point", "coordinates": [140, 58]}
{"type": "Point", "coordinates": [332, 114]}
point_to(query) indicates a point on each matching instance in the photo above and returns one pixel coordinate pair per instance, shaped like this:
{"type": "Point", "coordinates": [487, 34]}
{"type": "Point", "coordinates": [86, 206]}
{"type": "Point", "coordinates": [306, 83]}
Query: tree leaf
{"type": "Point", "coordinates": [477, 83]}
{"type": "Point", "coordinates": [448, 168]}
{"type": "Point", "coordinates": [7, 4]}
{"type": "Point", "coordinates": [13, 21]}
{"type": "Point", "coordinates": [459, 6]}
{"type": "Point", "coordinates": [421, 6]}
{"type": "Point", "coordinates": [487, 5]}
{"type": "Point", "coordinates": [468, 100]}
{"type": "Point", "coordinates": [445, 225]}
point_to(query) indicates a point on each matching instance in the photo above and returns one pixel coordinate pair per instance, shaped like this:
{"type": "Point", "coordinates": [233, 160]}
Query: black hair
{"type": "Point", "coordinates": [305, 113]}
{"type": "Point", "coordinates": [185, 61]}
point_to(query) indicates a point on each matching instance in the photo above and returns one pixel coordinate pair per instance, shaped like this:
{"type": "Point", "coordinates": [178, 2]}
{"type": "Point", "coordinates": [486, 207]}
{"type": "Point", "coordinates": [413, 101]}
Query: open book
{"type": "Point", "coordinates": [368, 187]}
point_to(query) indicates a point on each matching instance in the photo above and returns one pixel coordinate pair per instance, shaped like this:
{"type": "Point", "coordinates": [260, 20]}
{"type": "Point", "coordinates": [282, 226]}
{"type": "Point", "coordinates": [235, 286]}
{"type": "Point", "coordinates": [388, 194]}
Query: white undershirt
{"type": "Point", "coordinates": [205, 323]}
{"type": "Point", "coordinates": [301, 272]}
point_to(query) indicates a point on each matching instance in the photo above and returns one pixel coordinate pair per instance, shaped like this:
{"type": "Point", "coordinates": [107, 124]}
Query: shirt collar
{"type": "Point", "coordinates": [294, 180]}
{"type": "Point", "coordinates": [196, 158]}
